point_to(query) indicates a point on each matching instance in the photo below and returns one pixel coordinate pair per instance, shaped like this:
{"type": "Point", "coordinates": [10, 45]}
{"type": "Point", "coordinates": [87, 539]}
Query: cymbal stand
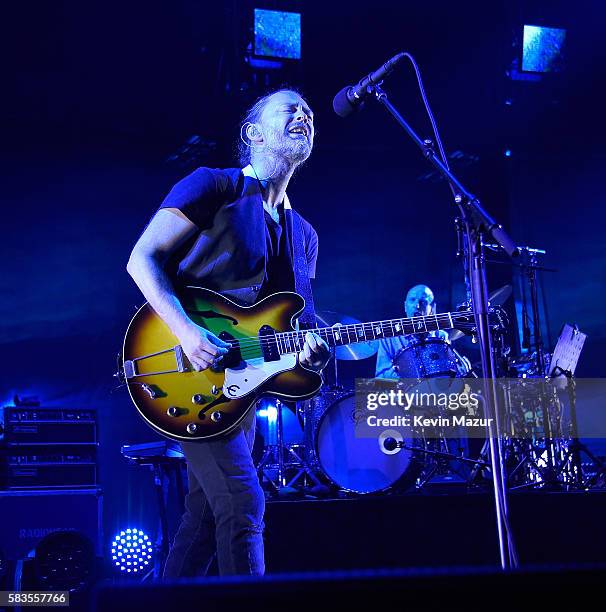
{"type": "Point", "coordinates": [547, 447]}
{"type": "Point", "coordinates": [551, 455]}
{"type": "Point", "coordinates": [333, 350]}
{"type": "Point", "coordinates": [531, 271]}
{"type": "Point", "coordinates": [334, 370]}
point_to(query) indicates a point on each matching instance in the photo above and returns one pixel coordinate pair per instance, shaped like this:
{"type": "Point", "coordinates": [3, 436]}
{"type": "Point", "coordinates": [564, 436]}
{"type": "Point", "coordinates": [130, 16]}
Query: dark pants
{"type": "Point", "coordinates": [223, 509]}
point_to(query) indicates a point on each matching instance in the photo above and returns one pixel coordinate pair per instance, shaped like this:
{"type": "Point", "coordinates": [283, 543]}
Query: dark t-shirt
{"type": "Point", "coordinates": [238, 241]}
{"type": "Point", "coordinates": [279, 274]}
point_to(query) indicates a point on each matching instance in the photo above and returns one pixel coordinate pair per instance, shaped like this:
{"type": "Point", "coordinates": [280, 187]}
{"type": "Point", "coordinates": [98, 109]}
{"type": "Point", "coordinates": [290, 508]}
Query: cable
{"type": "Point", "coordinates": [434, 125]}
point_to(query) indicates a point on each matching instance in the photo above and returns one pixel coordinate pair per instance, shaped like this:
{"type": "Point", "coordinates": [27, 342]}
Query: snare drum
{"type": "Point", "coordinates": [429, 358]}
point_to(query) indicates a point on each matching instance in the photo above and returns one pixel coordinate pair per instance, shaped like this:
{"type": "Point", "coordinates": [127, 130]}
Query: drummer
{"type": "Point", "coordinates": [419, 302]}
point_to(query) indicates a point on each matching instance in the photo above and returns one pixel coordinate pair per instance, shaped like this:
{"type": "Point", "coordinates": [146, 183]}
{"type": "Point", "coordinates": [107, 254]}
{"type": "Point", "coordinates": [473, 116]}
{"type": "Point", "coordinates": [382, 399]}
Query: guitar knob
{"type": "Point", "coordinates": [214, 390]}
{"type": "Point", "coordinates": [216, 416]}
{"type": "Point", "coordinates": [172, 411]}
{"type": "Point", "coordinates": [191, 428]}
{"type": "Point", "coordinates": [197, 398]}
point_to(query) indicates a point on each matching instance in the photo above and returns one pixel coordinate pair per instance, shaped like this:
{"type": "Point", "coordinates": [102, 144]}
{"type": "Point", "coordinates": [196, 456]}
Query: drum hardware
{"type": "Point", "coordinates": [440, 454]}
{"type": "Point", "coordinates": [531, 335]}
{"type": "Point", "coordinates": [496, 299]}
{"type": "Point", "coordinates": [546, 450]}
{"type": "Point", "coordinates": [281, 458]}
{"type": "Point", "coordinates": [531, 272]}
{"type": "Point", "coordinates": [563, 364]}
{"type": "Point", "coordinates": [547, 458]}
{"type": "Point", "coordinates": [442, 460]}
{"type": "Point", "coordinates": [531, 449]}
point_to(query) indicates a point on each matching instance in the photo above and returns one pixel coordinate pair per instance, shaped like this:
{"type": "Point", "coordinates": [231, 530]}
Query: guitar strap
{"type": "Point", "coordinates": [307, 319]}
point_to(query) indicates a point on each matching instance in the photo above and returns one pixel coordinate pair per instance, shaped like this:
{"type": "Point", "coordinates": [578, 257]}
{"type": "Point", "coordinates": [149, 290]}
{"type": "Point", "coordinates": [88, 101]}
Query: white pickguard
{"type": "Point", "coordinates": [239, 383]}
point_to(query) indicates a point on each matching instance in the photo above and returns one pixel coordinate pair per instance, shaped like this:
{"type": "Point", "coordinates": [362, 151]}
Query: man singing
{"type": "Point", "coordinates": [231, 230]}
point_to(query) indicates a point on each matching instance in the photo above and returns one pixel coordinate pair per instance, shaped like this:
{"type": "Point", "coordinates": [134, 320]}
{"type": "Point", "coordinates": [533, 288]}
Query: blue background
{"type": "Point", "coordinates": [103, 94]}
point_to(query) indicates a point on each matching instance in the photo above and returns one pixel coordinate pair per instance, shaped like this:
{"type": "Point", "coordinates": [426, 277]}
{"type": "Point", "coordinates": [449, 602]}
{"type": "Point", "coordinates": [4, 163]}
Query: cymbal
{"type": "Point", "coordinates": [350, 352]}
{"type": "Point", "coordinates": [500, 296]}
{"type": "Point", "coordinates": [454, 334]}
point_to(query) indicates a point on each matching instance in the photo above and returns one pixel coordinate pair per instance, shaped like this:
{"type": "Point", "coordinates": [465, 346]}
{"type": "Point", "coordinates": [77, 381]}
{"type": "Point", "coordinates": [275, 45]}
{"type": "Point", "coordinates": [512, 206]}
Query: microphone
{"type": "Point", "coordinates": [350, 97]}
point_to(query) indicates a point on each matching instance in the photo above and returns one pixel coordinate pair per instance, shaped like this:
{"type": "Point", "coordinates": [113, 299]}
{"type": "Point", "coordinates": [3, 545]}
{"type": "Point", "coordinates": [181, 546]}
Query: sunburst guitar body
{"type": "Point", "coordinates": [183, 404]}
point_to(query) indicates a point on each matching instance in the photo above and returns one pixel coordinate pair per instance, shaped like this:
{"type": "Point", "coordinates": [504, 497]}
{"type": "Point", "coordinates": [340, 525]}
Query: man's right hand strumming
{"type": "Point", "coordinates": [201, 346]}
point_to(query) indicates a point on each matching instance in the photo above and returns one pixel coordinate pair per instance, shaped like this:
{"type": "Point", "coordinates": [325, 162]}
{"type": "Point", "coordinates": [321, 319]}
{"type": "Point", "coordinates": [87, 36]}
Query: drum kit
{"type": "Point", "coordinates": [312, 448]}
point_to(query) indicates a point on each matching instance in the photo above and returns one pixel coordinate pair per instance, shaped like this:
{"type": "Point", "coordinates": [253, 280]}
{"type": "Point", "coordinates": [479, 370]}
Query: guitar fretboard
{"type": "Point", "coordinates": [341, 335]}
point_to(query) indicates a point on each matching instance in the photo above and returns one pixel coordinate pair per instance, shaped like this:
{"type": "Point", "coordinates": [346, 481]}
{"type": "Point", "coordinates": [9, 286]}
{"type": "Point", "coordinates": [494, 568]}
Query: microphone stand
{"type": "Point", "coordinates": [476, 221]}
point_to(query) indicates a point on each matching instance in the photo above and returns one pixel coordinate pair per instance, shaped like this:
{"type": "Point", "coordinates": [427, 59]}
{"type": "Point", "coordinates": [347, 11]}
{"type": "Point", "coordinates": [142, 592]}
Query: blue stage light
{"type": "Point", "coordinates": [542, 49]}
{"type": "Point", "coordinates": [131, 551]}
{"type": "Point", "coordinates": [266, 409]}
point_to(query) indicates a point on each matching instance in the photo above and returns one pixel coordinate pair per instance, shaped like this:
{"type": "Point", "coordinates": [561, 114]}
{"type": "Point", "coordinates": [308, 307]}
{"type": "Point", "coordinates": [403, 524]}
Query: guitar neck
{"type": "Point", "coordinates": [342, 335]}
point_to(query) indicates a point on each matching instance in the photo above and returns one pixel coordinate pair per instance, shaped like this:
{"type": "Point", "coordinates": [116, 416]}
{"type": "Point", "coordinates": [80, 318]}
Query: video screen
{"type": "Point", "coordinates": [542, 49]}
{"type": "Point", "coordinates": [277, 34]}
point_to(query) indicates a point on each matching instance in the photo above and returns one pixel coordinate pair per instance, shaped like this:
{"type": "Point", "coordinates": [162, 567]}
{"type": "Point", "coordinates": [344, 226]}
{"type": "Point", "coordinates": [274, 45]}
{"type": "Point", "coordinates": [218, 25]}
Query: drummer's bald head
{"type": "Point", "coordinates": [419, 301]}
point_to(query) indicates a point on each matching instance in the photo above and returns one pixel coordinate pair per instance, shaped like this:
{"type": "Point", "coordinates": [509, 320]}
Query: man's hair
{"type": "Point", "coordinates": [253, 115]}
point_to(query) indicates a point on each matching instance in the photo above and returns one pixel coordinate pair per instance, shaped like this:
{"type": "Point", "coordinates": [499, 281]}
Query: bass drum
{"type": "Point", "coordinates": [358, 464]}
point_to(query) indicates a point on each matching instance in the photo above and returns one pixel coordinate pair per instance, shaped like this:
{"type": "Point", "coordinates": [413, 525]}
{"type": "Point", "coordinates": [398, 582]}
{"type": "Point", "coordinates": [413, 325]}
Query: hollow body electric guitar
{"type": "Point", "coordinates": [183, 404]}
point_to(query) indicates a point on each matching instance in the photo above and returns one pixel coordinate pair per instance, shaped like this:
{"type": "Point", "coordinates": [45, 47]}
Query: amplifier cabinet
{"type": "Point", "coordinates": [28, 516]}
{"type": "Point", "coordinates": [25, 425]}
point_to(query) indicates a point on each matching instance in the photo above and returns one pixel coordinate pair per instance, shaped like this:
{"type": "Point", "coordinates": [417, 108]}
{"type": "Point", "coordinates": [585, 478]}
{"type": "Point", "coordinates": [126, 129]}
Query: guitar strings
{"type": "Point", "coordinates": [249, 342]}
{"type": "Point", "coordinates": [326, 330]}
{"type": "Point", "coordinates": [249, 345]}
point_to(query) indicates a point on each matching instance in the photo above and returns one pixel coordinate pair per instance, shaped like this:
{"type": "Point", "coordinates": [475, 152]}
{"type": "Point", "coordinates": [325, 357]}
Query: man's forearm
{"type": "Point", "coordinates": [151, 278]}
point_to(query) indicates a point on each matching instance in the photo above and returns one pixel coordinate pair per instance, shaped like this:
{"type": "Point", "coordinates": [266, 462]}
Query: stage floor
{"type": "Point", "coordinates": [432, 530]}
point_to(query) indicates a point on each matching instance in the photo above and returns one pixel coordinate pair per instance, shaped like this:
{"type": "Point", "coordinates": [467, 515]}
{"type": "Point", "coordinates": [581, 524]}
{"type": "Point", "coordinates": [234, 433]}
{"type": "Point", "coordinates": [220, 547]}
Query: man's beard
{"type": "Point", "coordinates": [294, 151]}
